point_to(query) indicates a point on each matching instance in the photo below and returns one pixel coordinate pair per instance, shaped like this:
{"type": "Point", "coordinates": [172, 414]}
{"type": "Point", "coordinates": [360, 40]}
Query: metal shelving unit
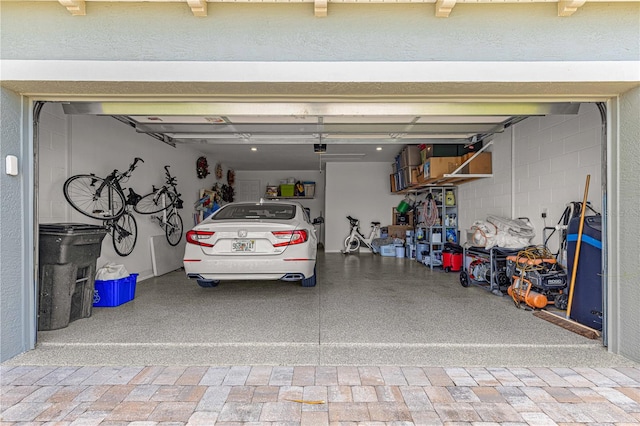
{"type": "Point", "coordinates": [446, 229]}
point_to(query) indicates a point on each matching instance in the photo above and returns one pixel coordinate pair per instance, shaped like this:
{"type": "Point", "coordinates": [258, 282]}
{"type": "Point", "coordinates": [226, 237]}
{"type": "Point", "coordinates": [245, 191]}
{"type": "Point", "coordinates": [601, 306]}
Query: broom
{"type": "Point", "coordinates": [566, 322]}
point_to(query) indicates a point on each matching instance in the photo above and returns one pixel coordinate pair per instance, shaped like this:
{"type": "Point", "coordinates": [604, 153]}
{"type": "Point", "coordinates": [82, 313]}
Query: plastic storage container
{"type": "Point", "coordinates": [68, 253]}
{"type": "Point", "coordinates": [309, 189]}
{"type": "Point", "coordinates": [110, 293]}
{"type": "Point", "coordinates": [388, 250]}
{"type": "Point", "coordinates": [287, 190]}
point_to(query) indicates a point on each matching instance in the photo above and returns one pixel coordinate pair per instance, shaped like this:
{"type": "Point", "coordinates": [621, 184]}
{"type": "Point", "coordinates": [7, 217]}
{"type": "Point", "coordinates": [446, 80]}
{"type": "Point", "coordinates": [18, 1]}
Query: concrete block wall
{"type": "Point", "coordinates": [551, 158]}
{"type": "Point", "coordinates": [53, 160]}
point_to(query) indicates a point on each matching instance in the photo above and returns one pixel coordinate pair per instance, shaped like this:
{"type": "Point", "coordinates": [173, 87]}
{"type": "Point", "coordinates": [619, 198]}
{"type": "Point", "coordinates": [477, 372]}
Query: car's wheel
{"type": "Point", "coordinates": [464, 279]}
{"type": "Point", "coordinates": [208, 283]}
{"type": "Point", "coordinates": [311, 281]}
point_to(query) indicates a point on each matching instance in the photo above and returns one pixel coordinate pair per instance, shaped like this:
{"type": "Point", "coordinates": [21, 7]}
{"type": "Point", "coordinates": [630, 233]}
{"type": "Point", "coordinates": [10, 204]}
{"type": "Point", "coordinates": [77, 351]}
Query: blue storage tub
{"type": "Point", "coordinates": [110, 293]}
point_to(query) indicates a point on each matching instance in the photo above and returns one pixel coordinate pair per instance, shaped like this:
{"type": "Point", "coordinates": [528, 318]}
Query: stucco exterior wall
{"type": "Point", "coordinates": [627, 212]}
{"type": "Point", "coordinates": [290, 32]}
{"type": "Point", "coordinates": [15, 326]}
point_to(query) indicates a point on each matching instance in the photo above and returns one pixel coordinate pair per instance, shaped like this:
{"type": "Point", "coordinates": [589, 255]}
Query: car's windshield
{"type": "Point", "coordinates": [256, 211]}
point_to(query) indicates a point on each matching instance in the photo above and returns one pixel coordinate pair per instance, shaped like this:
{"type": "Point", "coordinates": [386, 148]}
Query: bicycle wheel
{"type": "Point", "coordinates": [125, 233]}
{"type": "Point", "coordinates": [352, 245]}
{"type": "Point", "coordinates": [94, 197]}
{"type": "Point", "coordinates": [173, 229]}
{"type": "Point", "coordinates": [155, 202]}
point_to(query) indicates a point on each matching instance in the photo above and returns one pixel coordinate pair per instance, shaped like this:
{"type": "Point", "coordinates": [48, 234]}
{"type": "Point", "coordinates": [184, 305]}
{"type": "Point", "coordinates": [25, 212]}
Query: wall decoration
{"type": "Point", "coordinates": [218, 171]}
{"type": "Point", "coordinates": [202, 167]}
{"type": "Point", "coordinates": [231, 177]}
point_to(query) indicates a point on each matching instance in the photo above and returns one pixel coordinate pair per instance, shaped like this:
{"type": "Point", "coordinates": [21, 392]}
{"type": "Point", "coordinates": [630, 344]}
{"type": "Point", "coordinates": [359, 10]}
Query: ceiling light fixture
{"type": "Point", "coordinates": [378, 148]}
{"type": "Point", "coordinates": [253, 148]}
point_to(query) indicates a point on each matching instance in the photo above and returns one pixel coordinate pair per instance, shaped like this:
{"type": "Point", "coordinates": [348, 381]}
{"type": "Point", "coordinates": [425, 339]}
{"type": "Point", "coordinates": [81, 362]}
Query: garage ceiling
{"type": "Point", "coordinates": [306, 135]}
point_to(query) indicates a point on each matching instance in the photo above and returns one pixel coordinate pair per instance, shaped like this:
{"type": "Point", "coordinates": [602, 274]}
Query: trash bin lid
{"type": "Point", "coordinates": [70, 228]}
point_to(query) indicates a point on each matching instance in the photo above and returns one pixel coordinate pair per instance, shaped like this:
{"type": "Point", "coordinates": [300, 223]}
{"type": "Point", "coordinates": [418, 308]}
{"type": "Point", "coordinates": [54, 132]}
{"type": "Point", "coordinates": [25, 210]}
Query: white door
{"type": "Point", "coordinates": [248, 190]}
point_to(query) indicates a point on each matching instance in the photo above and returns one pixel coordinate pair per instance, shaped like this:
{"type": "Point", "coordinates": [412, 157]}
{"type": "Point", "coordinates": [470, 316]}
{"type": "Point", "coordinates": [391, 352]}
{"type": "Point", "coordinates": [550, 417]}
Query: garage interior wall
{"type": "Point", "coordinates": [360, 190]}
{"type": "Point", "coordinates": [80, 144]}
{"type": "Point", "coordinates": [552, 157]}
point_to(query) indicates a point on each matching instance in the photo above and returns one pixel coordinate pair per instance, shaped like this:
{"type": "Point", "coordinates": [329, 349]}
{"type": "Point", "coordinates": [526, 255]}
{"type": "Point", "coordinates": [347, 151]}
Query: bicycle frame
{"type": "Point", "coordinates": [162, 201]}
{"type": "Point", "coordinates": [356, 238]}
{"type": "Point", "coordinates": [173, 227]}
{"type": "Point", "coordinates": [112, 181]}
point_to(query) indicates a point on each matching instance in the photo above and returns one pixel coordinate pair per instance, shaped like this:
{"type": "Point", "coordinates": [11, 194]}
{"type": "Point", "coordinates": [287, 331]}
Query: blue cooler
{"type": "Point", "coordinates": [586, 307]}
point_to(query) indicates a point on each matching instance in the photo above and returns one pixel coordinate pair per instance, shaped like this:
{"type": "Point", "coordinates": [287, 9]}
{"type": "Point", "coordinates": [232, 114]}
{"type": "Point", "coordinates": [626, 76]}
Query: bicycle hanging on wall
{"type": "Point", "coordinates": [104, 199]}
{"type": "Point", "coordinates": [165, 200]}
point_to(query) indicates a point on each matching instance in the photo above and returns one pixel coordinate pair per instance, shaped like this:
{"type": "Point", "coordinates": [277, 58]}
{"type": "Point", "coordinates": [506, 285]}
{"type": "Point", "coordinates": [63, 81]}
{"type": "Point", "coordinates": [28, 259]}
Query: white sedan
{"type": "Point", "coordinates": [268, 240]}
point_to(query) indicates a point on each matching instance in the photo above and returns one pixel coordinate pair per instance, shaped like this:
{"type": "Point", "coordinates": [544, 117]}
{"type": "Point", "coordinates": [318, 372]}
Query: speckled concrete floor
{"type": "Point", "coordinates": [365, 310]}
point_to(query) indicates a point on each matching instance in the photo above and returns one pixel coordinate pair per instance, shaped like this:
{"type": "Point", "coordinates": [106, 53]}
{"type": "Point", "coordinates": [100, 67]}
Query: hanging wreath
{"type": "Point", "coordinates": [218, 171]}
{"type": "Point", "coordinates": [226, 193]}
{"type": "Point", "coordinates": [202, 167]}
{"type": "Point", "coordinates": [231, 177]}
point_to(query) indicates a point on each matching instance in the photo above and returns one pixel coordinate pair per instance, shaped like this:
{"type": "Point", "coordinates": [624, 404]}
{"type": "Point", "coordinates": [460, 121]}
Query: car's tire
{"type": "Point", "coordinates": [208, 283]}
{"type": "Point", "coordinates": [311, 281]}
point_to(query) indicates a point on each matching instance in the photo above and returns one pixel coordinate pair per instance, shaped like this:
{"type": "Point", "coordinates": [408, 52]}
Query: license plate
{"type": "Point", "coordinates": [243, 245]}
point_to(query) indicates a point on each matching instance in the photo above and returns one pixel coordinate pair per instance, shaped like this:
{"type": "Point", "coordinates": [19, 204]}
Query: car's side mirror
{"type": "Point", "coordinates": [318, 220]}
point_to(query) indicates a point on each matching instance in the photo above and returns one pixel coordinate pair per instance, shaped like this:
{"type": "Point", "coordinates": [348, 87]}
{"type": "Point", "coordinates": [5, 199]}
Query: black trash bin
{"type": "Point", "coordinates": [68, 255]}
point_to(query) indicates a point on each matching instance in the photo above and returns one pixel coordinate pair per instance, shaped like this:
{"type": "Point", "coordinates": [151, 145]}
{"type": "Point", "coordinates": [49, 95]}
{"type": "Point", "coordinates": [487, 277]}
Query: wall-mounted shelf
{"type": "Point", "coordinates": [466, 171]}
{"type": "Point", "coordinates": [295, 197]}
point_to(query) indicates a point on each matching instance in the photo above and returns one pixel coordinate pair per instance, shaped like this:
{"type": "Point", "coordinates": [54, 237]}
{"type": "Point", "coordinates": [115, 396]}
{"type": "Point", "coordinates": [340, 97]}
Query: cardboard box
{"type": "Point", "coordinates": [398, 231]}
{"type": "Point", "coordinates": [479, 165]}
{"type": "Point", "coordinates": [410, 156]}
{"type": "Point", "coordinates": [410, 175]}
{"type": "Point", "coordinates": [435, 167]}
{"type": "Point", "coordinates": [397, 218]}
{"type": "Point", "coordinates": [392, 182]}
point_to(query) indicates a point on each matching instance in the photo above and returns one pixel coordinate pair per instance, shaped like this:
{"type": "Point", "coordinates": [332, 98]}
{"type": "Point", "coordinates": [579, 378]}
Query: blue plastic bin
{"type": "Point", "coordinates": [388, 250]}
{"type": "Point", "coordinates": [110, 293]}
{"type": "Point", "coordinates": [587, 306]}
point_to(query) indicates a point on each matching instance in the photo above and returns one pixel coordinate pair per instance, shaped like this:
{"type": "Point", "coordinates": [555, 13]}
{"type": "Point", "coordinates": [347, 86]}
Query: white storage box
{"type": "Point", "coordinates": [388, 250]}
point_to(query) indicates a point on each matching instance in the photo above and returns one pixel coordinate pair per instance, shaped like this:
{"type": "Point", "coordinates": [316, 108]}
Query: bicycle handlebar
{"type": "Point", "coordinates": [135, 162]}
{"type": "Point", "coordinates": [171, 180]}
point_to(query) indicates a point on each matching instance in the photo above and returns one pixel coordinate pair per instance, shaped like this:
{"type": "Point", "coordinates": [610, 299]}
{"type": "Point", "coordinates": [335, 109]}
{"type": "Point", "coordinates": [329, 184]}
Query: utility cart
{"type": "Point", "coordinates": [486, 268]}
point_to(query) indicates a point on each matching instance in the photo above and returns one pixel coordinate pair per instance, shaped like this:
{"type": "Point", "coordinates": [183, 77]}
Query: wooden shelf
{"type": "Point", "coordinates": [445, 180]}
